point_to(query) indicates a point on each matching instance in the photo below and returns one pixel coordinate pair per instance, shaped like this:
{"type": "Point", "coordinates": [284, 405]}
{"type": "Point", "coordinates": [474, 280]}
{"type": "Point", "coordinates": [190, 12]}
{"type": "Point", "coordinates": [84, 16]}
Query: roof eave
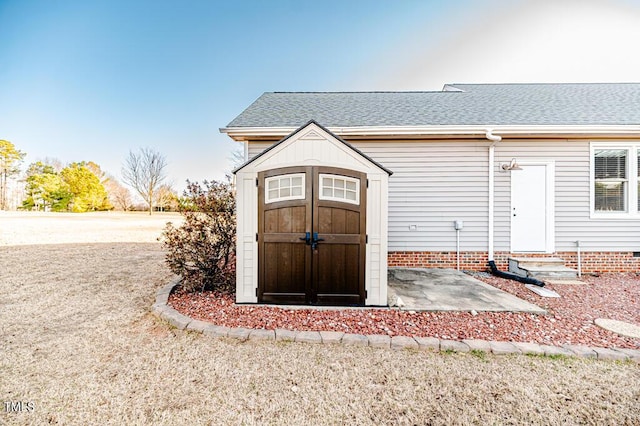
{"type": "Point", "coordinates": [248, 133]}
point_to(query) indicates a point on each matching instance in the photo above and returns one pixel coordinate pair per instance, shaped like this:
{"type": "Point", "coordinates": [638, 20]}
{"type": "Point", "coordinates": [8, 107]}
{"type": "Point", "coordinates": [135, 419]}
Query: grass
{"type": "Point", "coordinates": [482, 355]}
{"type": "Point", "coordinates": [78, 340]}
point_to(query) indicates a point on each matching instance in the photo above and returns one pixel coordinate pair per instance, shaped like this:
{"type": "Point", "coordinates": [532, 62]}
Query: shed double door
{"type": "Point", "coordinates": [311, 236]}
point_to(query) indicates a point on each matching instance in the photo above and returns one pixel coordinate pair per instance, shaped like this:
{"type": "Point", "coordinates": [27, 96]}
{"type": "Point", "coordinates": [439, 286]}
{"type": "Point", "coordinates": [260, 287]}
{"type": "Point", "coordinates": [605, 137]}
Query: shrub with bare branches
{"type": "Point", "coordinates": [202, 250]}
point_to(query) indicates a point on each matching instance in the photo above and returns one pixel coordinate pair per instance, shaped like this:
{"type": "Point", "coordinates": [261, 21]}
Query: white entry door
{"type": "Point", "coordinates": [532, 211]}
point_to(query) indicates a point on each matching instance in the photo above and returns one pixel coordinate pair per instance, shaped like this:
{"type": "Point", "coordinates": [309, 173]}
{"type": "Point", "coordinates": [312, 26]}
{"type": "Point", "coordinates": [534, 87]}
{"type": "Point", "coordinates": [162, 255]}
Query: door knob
{"type": "Point", "coordinates": [306, 238]}
{"type": "Point", "coordinates": [315, 241]}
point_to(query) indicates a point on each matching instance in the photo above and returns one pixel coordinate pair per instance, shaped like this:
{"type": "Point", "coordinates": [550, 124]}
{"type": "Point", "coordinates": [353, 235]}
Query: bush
{"type": "Point", "coordinates": [202, 250]}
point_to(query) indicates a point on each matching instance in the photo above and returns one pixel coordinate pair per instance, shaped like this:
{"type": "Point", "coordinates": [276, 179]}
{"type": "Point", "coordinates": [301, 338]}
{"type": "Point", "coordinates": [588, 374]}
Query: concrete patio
{"type": "Point", "coordinates": [450, 290]}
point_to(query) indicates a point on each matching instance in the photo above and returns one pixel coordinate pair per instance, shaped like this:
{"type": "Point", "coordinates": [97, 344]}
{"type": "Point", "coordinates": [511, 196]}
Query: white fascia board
{"type": "Point", "coordinates": [241, 133]}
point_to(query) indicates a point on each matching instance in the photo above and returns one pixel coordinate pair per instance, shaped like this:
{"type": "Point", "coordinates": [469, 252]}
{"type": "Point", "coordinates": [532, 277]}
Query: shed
{"type": "Point", "coordinates": [312, 223]}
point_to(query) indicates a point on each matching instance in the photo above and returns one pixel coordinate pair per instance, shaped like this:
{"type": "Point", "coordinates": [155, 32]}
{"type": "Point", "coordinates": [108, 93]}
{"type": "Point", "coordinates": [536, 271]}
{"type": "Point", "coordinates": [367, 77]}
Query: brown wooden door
{"type": "Point", "coordinates": [312, 236]}
{"type": "Point", "coordinates": [339, 261]}
{"type": "Point", "coordinates": [284, 260]}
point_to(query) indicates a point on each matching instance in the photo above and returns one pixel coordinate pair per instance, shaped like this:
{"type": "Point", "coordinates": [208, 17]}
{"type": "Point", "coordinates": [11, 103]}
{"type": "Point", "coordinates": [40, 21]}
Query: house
{"type": "Point", "coordinates": [472, 173]}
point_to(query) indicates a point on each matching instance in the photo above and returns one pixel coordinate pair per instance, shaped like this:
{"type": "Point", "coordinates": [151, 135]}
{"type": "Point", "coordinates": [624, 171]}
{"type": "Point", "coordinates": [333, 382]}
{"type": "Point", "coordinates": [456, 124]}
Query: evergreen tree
{"type": "Point", "coordinates": [46, 190]}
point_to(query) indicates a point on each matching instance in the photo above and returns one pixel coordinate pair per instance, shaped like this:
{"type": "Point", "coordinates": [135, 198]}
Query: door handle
{"type": "Point", "coordinates": [306, 238]}
{"type": "Point", "coordinates": [315, 241]}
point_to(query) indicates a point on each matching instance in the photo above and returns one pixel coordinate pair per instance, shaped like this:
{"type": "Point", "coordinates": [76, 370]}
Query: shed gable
{"type": "Point", "coordinates": [311, 145]}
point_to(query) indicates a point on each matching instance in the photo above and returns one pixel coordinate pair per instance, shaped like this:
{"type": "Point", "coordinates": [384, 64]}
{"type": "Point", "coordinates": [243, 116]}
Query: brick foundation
{"type": "Point", "coordinates": [597, 262]}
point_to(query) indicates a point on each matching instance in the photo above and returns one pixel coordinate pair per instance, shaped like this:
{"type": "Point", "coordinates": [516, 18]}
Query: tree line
{"type": "Point", "coordinates": [84, 186]}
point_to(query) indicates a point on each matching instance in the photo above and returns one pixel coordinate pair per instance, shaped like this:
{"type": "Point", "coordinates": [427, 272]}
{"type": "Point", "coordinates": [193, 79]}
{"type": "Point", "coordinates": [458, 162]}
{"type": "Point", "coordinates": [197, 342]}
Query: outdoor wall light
{"type": "Point", "coordinates": [511, 166]}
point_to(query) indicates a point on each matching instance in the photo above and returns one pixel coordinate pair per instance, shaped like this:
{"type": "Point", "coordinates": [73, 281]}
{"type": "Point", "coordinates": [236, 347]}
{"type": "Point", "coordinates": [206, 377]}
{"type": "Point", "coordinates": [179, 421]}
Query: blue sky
{"type": "Point", "coordinates": [90, 80]}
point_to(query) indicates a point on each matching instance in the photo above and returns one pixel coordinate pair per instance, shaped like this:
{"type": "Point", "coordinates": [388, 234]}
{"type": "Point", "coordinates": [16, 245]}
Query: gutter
{"type": "Point", "coordinates": [473, 131]}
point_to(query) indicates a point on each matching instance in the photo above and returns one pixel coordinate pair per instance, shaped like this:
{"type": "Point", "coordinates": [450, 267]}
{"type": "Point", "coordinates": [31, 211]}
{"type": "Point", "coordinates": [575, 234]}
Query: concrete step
{"type": "Point", "coordinates": [555, 273]}
{"type": "Point", "coordinates": [537, 261]}
{"type": "Point", "coordinates": [542, 268]}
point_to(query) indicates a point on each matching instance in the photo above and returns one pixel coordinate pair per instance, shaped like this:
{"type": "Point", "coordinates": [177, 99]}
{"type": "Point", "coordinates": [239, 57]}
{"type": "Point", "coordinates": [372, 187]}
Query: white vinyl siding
{"type": "Point", "coordinates": [433, 184]}
{"type": "Point", "coordinates": [571, 164]}
{"type": "Point", "coordinates": [255, 148]}
{"type": "Point", "coordinates": [573, 219]}
{"type": "Point", "coordinates": [437, 182]}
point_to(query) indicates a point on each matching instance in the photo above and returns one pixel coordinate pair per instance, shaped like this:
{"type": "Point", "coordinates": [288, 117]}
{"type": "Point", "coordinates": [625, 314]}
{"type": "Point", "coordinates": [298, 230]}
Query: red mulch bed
{"type": "Point", "coordinates": [570, 319]}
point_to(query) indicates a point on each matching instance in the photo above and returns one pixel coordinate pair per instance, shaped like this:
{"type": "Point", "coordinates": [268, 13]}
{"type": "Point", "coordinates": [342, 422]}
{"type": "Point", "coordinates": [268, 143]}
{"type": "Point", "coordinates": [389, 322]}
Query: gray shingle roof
{"type": "Point", "coordinates": [474, 104]}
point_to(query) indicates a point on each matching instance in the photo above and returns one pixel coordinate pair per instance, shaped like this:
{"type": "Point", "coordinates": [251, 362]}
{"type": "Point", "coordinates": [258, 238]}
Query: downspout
{"type": "Point", "coordinates": [493, 138]}
{"type": "Point", "coordinates": [508, 275]}
{"type": "Point", "coordinates": [492, 264]}
{"type": "Point", "coordinates": [579, 260]}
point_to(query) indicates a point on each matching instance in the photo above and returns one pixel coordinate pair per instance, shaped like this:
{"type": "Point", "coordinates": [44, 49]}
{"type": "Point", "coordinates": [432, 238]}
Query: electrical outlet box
{"type": "Point", "coordinates": [458, 224]}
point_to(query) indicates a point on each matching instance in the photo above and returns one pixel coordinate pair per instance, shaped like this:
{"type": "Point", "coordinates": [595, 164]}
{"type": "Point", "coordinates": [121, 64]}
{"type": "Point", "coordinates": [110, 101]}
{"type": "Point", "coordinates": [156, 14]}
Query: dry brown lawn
{"type": "Point", "coordinates": [79, 342]}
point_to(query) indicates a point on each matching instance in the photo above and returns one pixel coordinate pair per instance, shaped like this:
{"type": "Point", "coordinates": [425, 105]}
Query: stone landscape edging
{"type": "Point", "coordinates": [163, 310]}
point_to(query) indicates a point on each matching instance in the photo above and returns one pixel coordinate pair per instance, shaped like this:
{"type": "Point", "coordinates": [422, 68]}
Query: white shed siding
{"type": "Point", "coordinates": [312, 151]}
{"type": "Point", "coordinates": [437, 182]}
{"type": "Point", "coordinates": [376, 255]}
{"type": "Point", "coordinates": [247, 247]}
{"type": "Point", "coordinates": [312, 146]}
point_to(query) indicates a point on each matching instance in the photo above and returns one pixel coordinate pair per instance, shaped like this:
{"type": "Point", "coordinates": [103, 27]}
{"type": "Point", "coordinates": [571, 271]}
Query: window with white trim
{"type": "Point", "coordinates": [339, 188]}
{"type": "Point", "coordinates": [615, 184]}
{"type": "Point", "coordinates": [284, 188]}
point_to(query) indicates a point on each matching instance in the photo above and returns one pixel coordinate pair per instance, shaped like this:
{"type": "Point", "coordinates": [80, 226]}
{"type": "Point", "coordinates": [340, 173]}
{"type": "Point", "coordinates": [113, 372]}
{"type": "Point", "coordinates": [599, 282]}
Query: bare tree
{"type": "Point", "coordinates": [166, 198]}
{"type": "Point", "coordinates": [56, 163]}
{"type": "Point", "coordinates": [237, 157]}
{"type": "Point", "coordinates": [119, 196]}
{"type": "Point", "coordinates": [144, 171]}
